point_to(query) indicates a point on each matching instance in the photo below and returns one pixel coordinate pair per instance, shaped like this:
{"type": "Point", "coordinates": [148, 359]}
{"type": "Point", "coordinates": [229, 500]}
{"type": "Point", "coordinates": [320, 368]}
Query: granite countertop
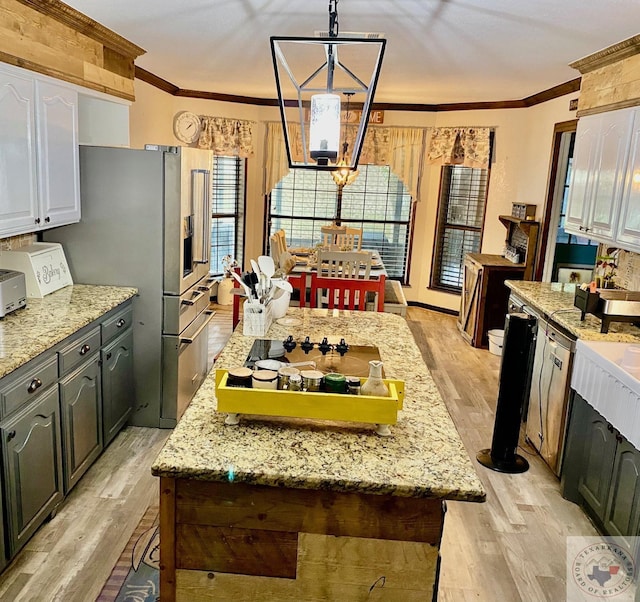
{"type": "Point", "coordinates": [27, 332]}
{"type": "Point", "coordinates": [423, 457]}
{"type": "Point", "coordinates": [555, 301]}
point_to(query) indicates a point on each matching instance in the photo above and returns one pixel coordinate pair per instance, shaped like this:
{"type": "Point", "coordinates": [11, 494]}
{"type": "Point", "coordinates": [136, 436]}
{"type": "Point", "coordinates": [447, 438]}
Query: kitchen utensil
{"type": "Point", "coordinates": [271, 364]}
{"type": "Point", "coordinates": [247, 290]}
{"type": "Point", "coordinates": [267, 267]}
{"type": "Point", "coordinates": [255, 267]}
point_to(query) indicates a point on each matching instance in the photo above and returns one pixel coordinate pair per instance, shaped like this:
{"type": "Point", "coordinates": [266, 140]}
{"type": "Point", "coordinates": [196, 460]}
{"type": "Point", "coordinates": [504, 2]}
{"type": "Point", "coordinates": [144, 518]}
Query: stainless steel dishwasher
{"type": "Point", "coordinates": [549, 398]}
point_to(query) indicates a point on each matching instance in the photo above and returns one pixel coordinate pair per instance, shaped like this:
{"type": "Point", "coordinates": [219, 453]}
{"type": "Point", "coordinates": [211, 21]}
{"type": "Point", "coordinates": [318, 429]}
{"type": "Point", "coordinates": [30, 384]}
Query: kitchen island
{"type": "Point", "coordinates": [306, 510]}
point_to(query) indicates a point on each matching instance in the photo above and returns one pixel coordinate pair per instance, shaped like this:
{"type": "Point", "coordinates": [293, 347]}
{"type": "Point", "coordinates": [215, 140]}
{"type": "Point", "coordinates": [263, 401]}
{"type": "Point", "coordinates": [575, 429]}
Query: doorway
{"type": "Point", "coordinates": [567, 257]}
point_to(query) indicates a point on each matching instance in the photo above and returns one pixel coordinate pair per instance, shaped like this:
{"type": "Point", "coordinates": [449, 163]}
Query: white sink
{"type": "Point", "coordinates": [611, 388]}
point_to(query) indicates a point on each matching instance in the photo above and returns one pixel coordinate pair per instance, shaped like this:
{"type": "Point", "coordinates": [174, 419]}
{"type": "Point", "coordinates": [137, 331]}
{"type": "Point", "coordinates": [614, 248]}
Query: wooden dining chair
{"type": "Point", "coordinates": [345, 264]}
{"type": "Point", "coordinates": [346, 293]}
{"type": "Point", "coordinates": [330, 234]}
{"type": "Point", "coordinates": [351, 240]}
{"type": "Point", "coordinates": [277, 245]}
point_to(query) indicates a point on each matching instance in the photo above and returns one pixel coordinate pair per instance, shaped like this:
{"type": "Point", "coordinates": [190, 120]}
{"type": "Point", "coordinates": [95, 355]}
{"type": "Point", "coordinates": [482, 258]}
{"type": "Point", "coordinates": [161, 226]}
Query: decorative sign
{"type": "Point", "coordinates": [376, 117]}
{"type": "Point", "coordinates": [573, 104]}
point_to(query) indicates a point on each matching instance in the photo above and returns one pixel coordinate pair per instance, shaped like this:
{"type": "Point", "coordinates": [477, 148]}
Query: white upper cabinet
{"type": "Point", "coordinates": [18, 175]}
{"type": "Point", "coordinates": [39, 177]}
{"type": "Point", "coordinates": [57, 118]}
{"type": "Point", "coordinates": [629, 226]}
{"type": "Point", "coordinates": [599, 164]}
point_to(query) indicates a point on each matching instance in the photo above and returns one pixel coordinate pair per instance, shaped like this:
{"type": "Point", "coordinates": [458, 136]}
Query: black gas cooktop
{"type": "Point", "coordinates": [354, 362]}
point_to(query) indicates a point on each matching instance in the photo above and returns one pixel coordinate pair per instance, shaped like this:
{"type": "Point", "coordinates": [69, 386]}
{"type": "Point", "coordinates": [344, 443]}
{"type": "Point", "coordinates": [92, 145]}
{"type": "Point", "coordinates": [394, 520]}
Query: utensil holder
{"type": "Point", "coordinates": [256, 320]}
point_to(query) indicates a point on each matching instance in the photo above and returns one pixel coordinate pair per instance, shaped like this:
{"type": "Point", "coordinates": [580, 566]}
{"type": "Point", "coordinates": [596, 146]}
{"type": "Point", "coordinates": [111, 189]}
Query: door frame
{"type": "Point", "coordinates": [545, 226]}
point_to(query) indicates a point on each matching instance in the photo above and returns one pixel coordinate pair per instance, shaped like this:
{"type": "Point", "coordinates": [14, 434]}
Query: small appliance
{"type": "Point", "coordinates": [13, 291]}
{"type": "Point", "coordinates": [43, 264]}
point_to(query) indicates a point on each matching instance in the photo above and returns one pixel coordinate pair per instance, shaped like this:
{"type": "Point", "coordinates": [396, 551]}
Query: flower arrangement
{"type": "Point", "coordinates": [228, 263]}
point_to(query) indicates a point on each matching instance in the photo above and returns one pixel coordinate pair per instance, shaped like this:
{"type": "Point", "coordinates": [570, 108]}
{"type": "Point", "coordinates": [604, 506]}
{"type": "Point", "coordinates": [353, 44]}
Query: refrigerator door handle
{"type": "Point", "coordinates": [201, 195]}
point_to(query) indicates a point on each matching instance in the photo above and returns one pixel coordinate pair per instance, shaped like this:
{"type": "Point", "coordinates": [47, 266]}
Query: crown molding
{"type": "Point", "coordinates": [549, 94]}
{"type": "Point", "coordinates": [66, 15]}
{"type": "Point", "coordinates": [609, 55]}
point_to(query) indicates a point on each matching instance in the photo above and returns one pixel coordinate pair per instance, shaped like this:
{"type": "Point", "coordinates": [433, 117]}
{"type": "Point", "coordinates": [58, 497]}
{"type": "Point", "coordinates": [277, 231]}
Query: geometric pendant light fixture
{"type": "Point", "coordinates": [313, 75]}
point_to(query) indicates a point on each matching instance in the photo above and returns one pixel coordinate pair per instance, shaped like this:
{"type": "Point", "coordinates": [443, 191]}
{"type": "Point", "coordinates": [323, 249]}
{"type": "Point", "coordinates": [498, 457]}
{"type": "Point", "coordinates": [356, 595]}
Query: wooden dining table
{"type": "Point", "coordinates": [305, 263]}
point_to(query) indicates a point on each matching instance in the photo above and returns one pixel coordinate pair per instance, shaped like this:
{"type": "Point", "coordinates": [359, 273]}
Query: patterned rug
{"type": "Point", "coordinates": [135, 577]}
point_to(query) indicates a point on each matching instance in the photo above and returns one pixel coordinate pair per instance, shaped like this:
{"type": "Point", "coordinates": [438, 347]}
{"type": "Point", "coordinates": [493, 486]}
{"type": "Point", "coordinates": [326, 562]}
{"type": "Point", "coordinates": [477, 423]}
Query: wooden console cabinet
{"type": "Point", "coordinates": [484, 295]}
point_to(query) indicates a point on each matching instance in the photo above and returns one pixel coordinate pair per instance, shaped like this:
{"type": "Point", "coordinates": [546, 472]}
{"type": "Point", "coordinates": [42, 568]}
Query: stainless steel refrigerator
{"type": "Point", "coordinates": [146, 222]}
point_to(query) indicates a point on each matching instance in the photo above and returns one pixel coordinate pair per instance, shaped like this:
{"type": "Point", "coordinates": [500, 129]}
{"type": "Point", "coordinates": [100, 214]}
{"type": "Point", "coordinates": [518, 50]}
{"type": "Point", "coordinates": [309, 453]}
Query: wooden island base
{"type": "Point", "coordinates": [233, 541]}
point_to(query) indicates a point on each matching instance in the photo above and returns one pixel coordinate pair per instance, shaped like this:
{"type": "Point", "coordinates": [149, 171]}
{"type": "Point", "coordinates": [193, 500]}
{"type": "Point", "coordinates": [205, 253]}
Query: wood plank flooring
{"type": "Point", "coordinates": [509, 549]}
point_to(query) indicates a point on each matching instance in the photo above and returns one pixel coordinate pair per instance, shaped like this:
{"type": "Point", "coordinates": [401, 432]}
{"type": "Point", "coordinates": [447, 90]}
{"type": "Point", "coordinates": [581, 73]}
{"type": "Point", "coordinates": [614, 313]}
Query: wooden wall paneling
{"type": "Point", "coordinates": [51, 38]}
{"type": "Point", "coordinates": [309, 511]}
{"type": "Point", "coordinates": [610, 78]}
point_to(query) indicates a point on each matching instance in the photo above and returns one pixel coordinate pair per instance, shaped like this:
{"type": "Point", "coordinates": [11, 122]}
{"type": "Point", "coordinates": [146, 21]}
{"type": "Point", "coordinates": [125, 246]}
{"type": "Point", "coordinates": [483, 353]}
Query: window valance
{"type": "Point", "coordinates": [467, 146]}
{"type": "Point", "coordinates": [226, 136]}
{"type": "Point", "coordinates": [402, 148]}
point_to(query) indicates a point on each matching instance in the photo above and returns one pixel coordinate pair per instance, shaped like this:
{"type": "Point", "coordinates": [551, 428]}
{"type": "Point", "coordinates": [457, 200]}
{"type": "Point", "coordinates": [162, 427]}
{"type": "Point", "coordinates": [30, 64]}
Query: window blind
{"type": "Point", "coordinates": [227, 210]}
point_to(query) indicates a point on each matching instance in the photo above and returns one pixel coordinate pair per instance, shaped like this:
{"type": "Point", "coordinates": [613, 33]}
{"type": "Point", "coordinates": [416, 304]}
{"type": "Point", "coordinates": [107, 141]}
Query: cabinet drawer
{"type": "Point", "coordinates": [34, 381]}
{"type": "Point", "coordinates": [117, 324]}
{"type": "Point", "coordinates": [78, 350]}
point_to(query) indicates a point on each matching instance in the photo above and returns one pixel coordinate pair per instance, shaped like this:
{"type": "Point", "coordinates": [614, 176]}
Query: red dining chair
{"type": "Point", "coordinates": [237, 299]}
{"type": "Point", "coordinates": [347, 293]}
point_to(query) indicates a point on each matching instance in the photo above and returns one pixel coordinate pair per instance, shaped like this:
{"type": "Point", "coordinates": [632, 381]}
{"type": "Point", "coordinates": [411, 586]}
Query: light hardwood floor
{"type": "Point", "coordinates": [509, 549]}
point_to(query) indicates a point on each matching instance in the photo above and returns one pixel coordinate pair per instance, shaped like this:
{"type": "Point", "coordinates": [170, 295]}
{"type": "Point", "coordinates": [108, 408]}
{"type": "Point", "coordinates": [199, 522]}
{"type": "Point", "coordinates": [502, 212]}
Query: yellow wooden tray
{"type": "Point", "coordinates": [369, 409]}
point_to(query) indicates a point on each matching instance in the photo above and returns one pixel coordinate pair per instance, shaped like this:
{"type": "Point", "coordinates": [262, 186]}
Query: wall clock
{"type": "Point", "coordinates": [186, 126]}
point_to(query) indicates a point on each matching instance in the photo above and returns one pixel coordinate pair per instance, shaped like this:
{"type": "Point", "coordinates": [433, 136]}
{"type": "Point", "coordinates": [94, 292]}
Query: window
{"type": "Point", "coordinates": [227, 210]}
{"type": "Point", "coordinates": [377, 201]}
{"type": "Point", "coordinates": [461, 207]}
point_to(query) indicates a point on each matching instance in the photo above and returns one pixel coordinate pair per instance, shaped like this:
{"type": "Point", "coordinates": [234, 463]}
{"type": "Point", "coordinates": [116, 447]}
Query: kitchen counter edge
{"type": "Point", "coordinates": [554, 301]}
{"type": "Point", "coordinates": [28, 332]}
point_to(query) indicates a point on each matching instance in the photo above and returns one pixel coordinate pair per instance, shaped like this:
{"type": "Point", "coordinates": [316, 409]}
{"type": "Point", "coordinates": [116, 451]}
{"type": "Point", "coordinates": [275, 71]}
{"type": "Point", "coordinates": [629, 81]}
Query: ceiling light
{"type": "Point", "coordinates": [311, 74]}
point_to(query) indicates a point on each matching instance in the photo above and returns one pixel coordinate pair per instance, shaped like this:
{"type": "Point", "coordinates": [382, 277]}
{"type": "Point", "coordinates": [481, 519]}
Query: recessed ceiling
{"type": "Point", "coordinates": [438, 51]}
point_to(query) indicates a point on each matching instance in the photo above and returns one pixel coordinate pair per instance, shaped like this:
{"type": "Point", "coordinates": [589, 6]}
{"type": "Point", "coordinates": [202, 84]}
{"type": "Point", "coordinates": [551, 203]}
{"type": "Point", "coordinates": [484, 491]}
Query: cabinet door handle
{"type": "Point", "coordinates": [11, 435]}
{"type": "Point", "coordinates": [610, 428]}
{"type": "Point", "coordinates": [47, 219]}
{"type": "Point", "coordinates": [85, 349]}
{"type": "Point", "coordinates": [619, 437]}
{"type": "Point", "coordinates": [37, 220]}
{"type": "Point", "coordinates": [120, 323]}
{"type": "Point", "coordinates": [109, 355]}
{"type": "Point", "coordinates": [34, 385]}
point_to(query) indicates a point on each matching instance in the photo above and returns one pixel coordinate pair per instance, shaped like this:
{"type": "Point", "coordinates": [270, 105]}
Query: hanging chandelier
{"type": "Point", "coordinates": [344, 174]}
{"type": "Point", "coordinates": [311, 73]}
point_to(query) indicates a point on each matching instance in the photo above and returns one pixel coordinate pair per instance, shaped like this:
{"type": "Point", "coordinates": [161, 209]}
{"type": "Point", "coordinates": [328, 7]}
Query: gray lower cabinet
{"type": "Point", "coordinates": [602, 472]}
{"type": "Point", "coordinates": [117, 384]}
{"type": "Point", "coordinates": [51, 421]}
{"type": "Point", "coordinates": [32, 462]}
{"type": "Point", "coordinates": [80, 403]}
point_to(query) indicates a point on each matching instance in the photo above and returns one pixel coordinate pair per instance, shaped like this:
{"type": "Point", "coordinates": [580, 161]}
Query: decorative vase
{"type": "Point", "coordinates": [225, 286]}
{"type": "Point", "coordinates": [374, 385]}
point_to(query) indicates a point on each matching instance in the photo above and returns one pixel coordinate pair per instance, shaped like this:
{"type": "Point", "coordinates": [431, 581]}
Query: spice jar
{"type": "Point", "coordinates": [353, 385]}
{"type": "Point", "coordinates": [311, 380]}
{"type": "Point", "coordinates": [284, 375]}
{"type": "Point", "coordinates": [335, 382]}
